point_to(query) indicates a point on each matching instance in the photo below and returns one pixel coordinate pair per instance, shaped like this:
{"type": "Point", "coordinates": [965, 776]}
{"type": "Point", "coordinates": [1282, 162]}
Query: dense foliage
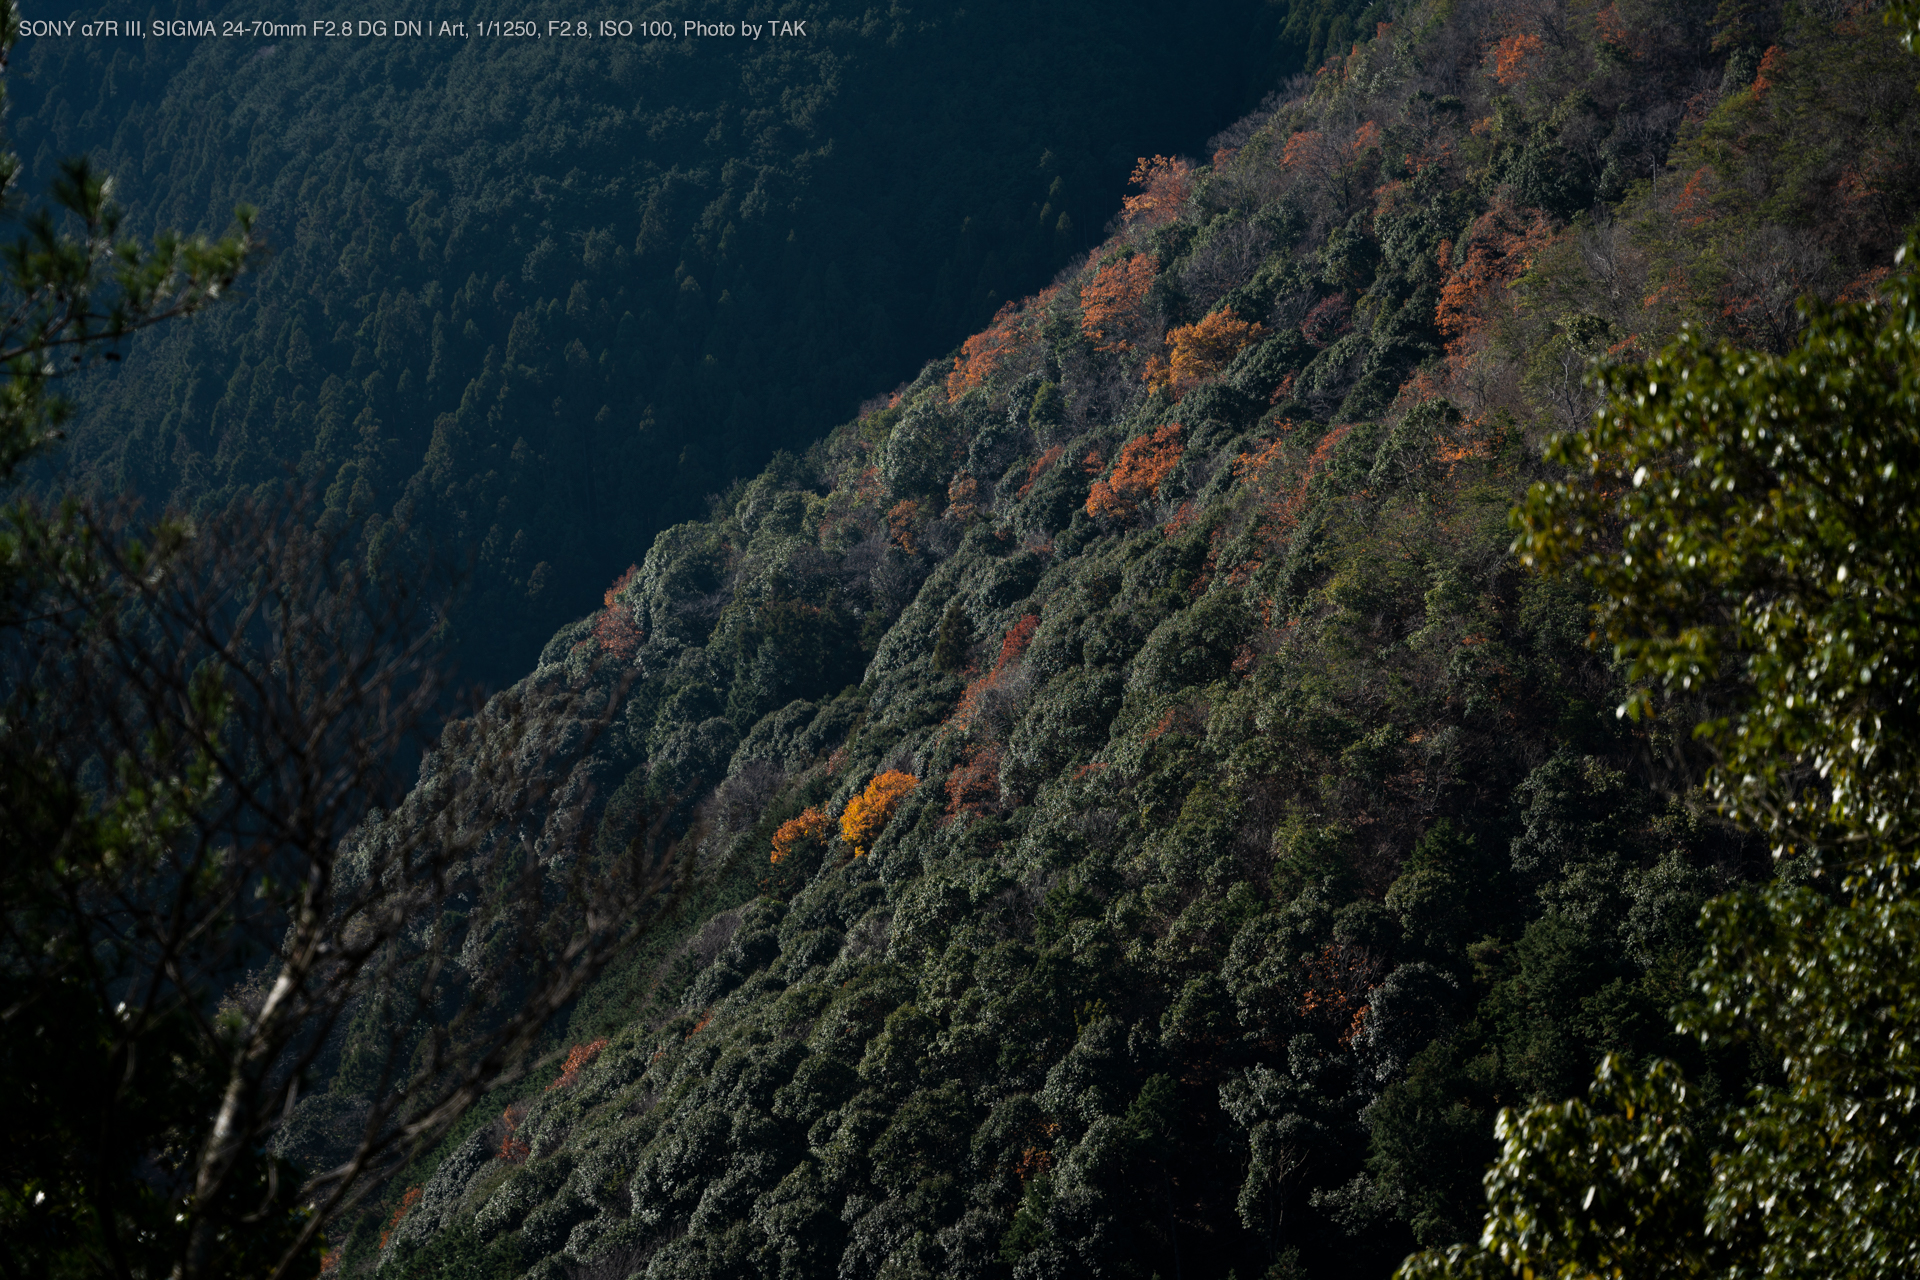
{"type": "Point", "coordinates": [534, 299]}
{"type": "Point", "coordinates": [1263, 827]}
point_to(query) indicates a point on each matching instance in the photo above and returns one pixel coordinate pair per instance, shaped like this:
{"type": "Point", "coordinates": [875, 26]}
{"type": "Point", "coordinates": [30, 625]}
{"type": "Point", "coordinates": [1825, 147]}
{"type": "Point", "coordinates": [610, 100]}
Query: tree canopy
{"type": "Point", "coordinates": [1755, 512]}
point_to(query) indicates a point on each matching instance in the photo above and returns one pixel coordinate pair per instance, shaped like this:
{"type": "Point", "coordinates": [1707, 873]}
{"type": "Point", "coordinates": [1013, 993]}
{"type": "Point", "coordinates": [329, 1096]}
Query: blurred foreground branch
{"type": "Point", "coordinates": [197, 784]}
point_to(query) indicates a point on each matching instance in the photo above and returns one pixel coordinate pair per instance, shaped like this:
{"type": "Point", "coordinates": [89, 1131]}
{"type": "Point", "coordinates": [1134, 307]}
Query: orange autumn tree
{"type": "Point", "coordinates": [1143, 464]}
{"type": "Point", "coordinates": [615, 630]}
{"type": "Point", "coordinates": [1510, 58]}
{"type": "Point", "coordinates": [988, 693]}
{"type": "Point", "coordinates": [984, 352]}
{"type": "Point", "coordinates": [1769, 68]}
{"type": "Point", "coordinates": [1312, 157]}
{"type": "Point", "coordinates": [1014, 326]}
{"type": "Point", "coordinates": [974, 784]}
{"type": "Point", "coordinates": [514, 1149]}
{"type": "Point", "coordinates": [1039, 468]}
{"type": "Point", "coordinates": [1500, 248]}
{"type": "Point", "coordinates": [963, 497]}
{"type": "Point", "coordinates": [1013, 646]}
{"type": "Point", "coordinates": [577, 1059]}
{"type": "Point", "coordinates": [1201, 350]}
{"type": "Point", "coordinates": [1165, 182]}
{"type": "Point", "coordinates": [811, 827]}
{"type": "Point", "coordinates": [901, 520]}
{"type": "Point", "coordinates": [1109, 301]}
{"type": "Point", "coordinates": [799, 848]}
{"type": "Point", "coordinates": [1301, 148]}
{"type": "Point", "coordinates": [1340, 985]}
{"type": "Point", "coordinates": [867, 813]}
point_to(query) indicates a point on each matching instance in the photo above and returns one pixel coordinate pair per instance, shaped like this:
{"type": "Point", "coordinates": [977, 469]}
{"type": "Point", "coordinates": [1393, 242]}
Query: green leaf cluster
{"type": "Point", "coordinates": [1739, 510]}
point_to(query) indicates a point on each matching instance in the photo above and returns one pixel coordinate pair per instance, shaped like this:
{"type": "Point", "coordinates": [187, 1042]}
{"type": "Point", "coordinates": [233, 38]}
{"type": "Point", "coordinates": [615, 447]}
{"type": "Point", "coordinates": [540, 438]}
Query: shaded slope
{"type": "Point", "coordinates": [533, 300]}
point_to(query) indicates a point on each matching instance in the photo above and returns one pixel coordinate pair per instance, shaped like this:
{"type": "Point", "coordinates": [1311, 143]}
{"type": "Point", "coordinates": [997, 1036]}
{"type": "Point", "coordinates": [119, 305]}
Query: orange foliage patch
{"type": "Point", "coordinates": [1036, 1160]}
{"type": "Point", "coordinates": [1866, 285]}
{"type": "Point", "coordinates": [407, 1201]}
{"type": "Point", "coordinates": [811, 825]}
{"type": "Point", "coordinates": [1501, 246]}
{"type": "Point", "coordinates": [963, 497]}
{"type": "Point", "coordinates": [1143, 464]}
{"type": "Point", "coordinates": [1769, 68]}
{"type": "Point", "coordinates": [1180, 521]}
{"type": "Point", "coordinates": [1340, 981]}
{"type": "Point", "coordinates": [975, 786]}
{"type": "Point", "coordinates": [1034, 472]}
{"type": "Point", "coordinates": [1281, 490]}
{"type": "Point", "coordinates": [615, 630]}
{"type": "Point", "coordinates": [1366, 138]}
{"type": "Point", "coordinates": [1329, 318]}
{"type": "Point", "coordinates": [900, 522]}
{"type": "Point", "coordinates": [1474, 442]}
{"type": "Point", "coordinates": [1013, 646]}
{"type": "Point", "coordinates": [1110, 300]}
{"type": "Point", "coordinates": [1014, 325]}
{"type": "Point", "coordinates": [1613, 29]}
{"type": "Point", "coordinates": [1692, 207]}
{"type": "Point", "coordinates": [984, 352]}
{"type": "Point", "coordinates": [577, 1059]}
{"type": "Point", "coordinates": [620, 584]}
{"type": "Point", "coordinates": [1300, 149]}
{"type": "Point", "coordinates": [1386, 197]}
{"type": "Point", "coordinates": [1510, 58]}
{"type": "Point", "coordinates": [514, 1150]}
{"type": "Point", "coordinates": [1202, 349]}
{"type": "Point", "coordinates": [1323, 451]}
{"type": "Point", "coordinates": [1165, 183]}
{"type": "Point", "coordinates": [1425, 384]}
{"type": "Point", "coordinates": [867, 813]}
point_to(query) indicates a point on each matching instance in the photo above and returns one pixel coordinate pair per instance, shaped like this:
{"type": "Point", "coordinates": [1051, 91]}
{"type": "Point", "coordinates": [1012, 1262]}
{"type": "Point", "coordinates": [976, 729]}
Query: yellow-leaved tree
{"type": "Point", "coordinates": [866, 814]}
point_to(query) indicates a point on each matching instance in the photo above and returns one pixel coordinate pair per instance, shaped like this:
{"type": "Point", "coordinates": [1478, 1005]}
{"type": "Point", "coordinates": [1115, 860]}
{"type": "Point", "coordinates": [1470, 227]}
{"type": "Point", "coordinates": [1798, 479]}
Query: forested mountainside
{"type": "Point", "coordinates": [533, 300]}
{"type": "Point", "coordinates": [1139, 820]}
